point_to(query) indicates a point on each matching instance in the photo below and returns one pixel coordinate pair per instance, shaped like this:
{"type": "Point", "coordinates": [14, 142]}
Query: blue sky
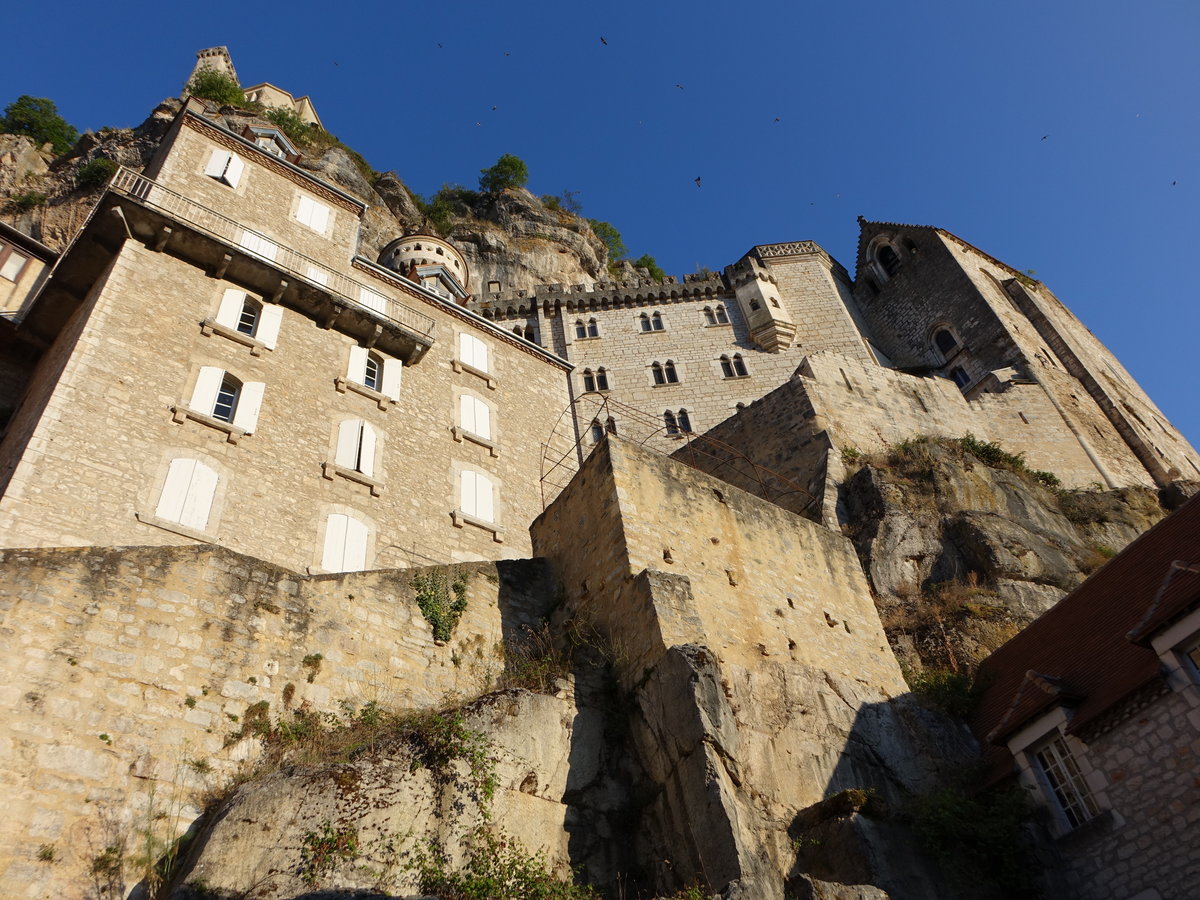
{"type": "Point", "coordinates": [925, 112]}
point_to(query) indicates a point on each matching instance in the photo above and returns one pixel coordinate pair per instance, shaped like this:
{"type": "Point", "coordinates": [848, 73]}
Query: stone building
{"type": "Point", "coordinates": [1095, 710]}
{"type": "Point", "coordinates": [220, 366]}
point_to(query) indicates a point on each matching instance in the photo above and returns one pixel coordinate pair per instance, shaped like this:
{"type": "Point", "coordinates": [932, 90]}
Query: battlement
{"type": "Point", "coordinates": [698, 286]}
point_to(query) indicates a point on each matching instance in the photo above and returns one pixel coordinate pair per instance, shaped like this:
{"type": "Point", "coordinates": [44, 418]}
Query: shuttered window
{"type": "Point", "coordinates": [356, 446]}
{"type": "Point", "coordinates": [221, 396]}
{"type": "Point", "coordinates": [225, 167]}
{"type": "Point", "coordinates": [477, 496]}
{"type": "Point", "coordinates": [241, 312]}
{"type": "Point", "coordinates": [187, 493]}
{"type": "Point", "coordinates": [376, 372]}
{"type": "Point", "coordinates": [475, 416]}
{"type": "Point", "coordinates": [473, 352]}
{"type": "Point", "coordinates": [313, 214]}
{"type": "Point", "coordinates": [345, 544]}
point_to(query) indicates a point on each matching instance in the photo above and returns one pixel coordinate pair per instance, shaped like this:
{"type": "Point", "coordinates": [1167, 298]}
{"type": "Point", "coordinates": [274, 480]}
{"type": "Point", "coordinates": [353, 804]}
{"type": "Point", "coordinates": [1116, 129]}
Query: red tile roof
{"type": "Point", "coordinates": [1080, 652]}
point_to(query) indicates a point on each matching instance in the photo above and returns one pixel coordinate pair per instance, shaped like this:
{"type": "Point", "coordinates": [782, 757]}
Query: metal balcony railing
{"type": "Point", "coordinates": [296, 264]}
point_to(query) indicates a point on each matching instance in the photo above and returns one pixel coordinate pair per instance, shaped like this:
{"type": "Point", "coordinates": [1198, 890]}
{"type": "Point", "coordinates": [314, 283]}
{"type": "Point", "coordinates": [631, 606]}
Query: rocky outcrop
{"type": "Point", "coordinates": [961, 554]}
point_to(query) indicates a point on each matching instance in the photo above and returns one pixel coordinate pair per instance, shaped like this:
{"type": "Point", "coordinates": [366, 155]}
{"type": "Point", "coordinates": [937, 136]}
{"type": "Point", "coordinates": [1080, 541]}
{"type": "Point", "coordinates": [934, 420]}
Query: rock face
{"type": "Point", "coordinates": [960, 553]}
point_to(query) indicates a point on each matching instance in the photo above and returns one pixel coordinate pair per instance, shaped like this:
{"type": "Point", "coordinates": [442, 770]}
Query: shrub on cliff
{"type": "Point", "coordinates": [217, 87]}
{"type": "Point", "coordinates": [38, 118]}
{"type": "Point", "coordinates": [508, 172]}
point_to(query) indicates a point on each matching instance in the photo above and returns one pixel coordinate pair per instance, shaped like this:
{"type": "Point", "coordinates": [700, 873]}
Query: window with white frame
{"type": "Point", "coordinates": [375, 372]}
{"type": "Point", "coordinates": [222, 396]}
{"type": "Point", "coordinates": [246, 315]}
{"type": "Point", "coordinates": [356, 445]}
{"type": "Point", "coordinates": [1061, 778]}
{"type": "Point", "coordinates": [346, 541]}
{"type": "Point", "coordinates": [313, 214]}
{"type": "Point", "coordinates": [477, 496]}
{"type": "Point", "coordinates": [259, 245]}
{"type": "Point", "coordinates": [187, 493]}
{"type": "Point", "coordinates": [225, 167]}
{"type": "Point", "coordinates": [473, 352]}
{"type": "Point", "coordinates": [12, 261]}
{"type": "Point", "coordinates": [475, 416]}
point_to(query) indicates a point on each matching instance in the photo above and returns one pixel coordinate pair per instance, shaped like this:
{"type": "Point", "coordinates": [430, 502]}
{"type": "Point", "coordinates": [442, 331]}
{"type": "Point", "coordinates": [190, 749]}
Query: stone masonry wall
{"type": "Point", "coordinates": [1150, 763]}
{"type": "Point", "coordinates": [122, 667]}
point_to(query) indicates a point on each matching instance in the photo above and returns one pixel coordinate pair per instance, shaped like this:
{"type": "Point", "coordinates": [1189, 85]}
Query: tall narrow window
{"type": "Point", "coordinates": [685, 424]}
{"type": "Point", "coordinates": [739, 367]}
{"type": "Point", "coordinates": [593, 328]}
{"type": "Point", "coordinates": [669, 371]}
{"type": "Point", "coordinates": [589, 381]}
{"type": "Point", "coordinates": [722, 316]}
{"type": "Point", "coordinates": [597, 432]}
{"type": "Point", "coordinates": [580, 329]}
{"type": "Point", "coordinates": [475, 416]}
{"type": "Point", "coordinates": [669, 421]}
{"type": "Point", "coordinates": [657, 322]}
{"type": "Point", "coordinates": [477, 495]}
{"type": "Point", "coordinates": [945, 342]}
{"type": "Point", "coordinates": [227, 399]}
{"type": "Point", "coordinates": [601, 379]}
{"type": "Point", "coordinates": [1062, 776]}
{"type": "Point", "coordinates": [610, 425]}
{"type": "Point", "coordinates": [346, 541]}
{"type": "Point", "coordinates": [247, 315]}
{"type": "Point", "coordinates": [726, 367]}
{"type": "Point", "coordinates": [656, 370]}
{"type": "Point", "coordinates": [888, 258]}
{"type": "Point", "coordinates": [710, 317]}
{"type": "Point", "coordinates": [248, 320]}
{"type": "Point", "coordinates": [375, 372]}
{"type": "Point", "coordinates": [356, 446]}
{"type": "Point", "coordinates": [223, 396]}
{"type": "Point", "coordinates": [371, 372]}
{"type": "Point", "coordinates": [644, 321]}
{"type": "Point", "coordinates": [187, 493]}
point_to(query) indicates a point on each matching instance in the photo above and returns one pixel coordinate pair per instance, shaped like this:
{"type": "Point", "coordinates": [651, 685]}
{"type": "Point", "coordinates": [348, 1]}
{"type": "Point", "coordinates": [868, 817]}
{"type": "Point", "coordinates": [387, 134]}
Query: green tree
{"type": "Point", "coordinates": [216, 86]}
{"type": "Point", "coordinates": [38, 118]}
{"type": "Point", "coordinates": [508, 172]}
{"type": "Point", "coordinates": [646, 261]}
{"type": "Point", "coordinates": [611, 237]}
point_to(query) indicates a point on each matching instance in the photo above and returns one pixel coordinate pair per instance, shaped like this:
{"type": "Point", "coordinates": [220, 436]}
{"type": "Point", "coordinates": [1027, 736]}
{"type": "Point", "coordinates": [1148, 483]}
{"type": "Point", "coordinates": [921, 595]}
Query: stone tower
{"type": "Point", "coordinates": [215, 58]}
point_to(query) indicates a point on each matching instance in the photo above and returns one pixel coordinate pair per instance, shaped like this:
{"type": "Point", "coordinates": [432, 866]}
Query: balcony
{"type": "Point", "coordinates": [170, 222]}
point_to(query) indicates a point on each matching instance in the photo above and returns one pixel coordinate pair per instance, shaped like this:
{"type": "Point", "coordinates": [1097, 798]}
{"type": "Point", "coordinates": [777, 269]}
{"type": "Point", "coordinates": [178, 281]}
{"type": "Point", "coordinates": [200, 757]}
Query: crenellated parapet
{"type": "Point", "coordinates": [552, 298]}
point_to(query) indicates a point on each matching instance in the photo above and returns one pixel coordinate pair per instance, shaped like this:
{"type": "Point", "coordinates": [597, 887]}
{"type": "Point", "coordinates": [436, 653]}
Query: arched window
{"type": "Point", "coordinates": [657, 322]}
{"type": "Point", "coordinates": [529, 332]}
{"type": "Point", "coordinates": [945, 342]}
{"type": "Point", "coordinates": [685, 424]}
{"type": "Point", "coordinates": [601, 379]}
{"type": "Point", "coordinates": [475, 416]}
{"type": "Point", "coordinates": [245, 314]}
{"type": "Point", "coordinates": [187, 493]}
{"type": "Point", "coordinates": [669, 371]}
{"type": "Point", "coordinates": [669, 421]}
{"type": "Point", "coordinates": [517, 330]}
{"type": "Point", "coordinates": [356, 446]}
{"type": "Point", "coordinates": [656, 370]}
{"type": "Point", "coordinates": [610, 425]}
{"type": "Point", "coordinates": [888, 258]}
{"type": "Point", "coordinates": [374, 372]}
{"type": "Point", "coordinates": [597, 432]}
{"type": "Point", "coordinates": [589, 381]}
{"type": "Point", "coordinates": [478, 496]}
{"type": "Point", "coordinates": [580, 329]}
{"type": "Point", "coordinates": [739, 367]}
{"type": "Point", "coordinates": [644, 320]}
{"type": "Point", "coordinates": [710, 317]}
{"type": "Point", "coordinates": [593, 328]}
{"type": "Point", "coordinates": [223, 396]}
{"type": "Point", "coordinates": [346, 541]}
{"type": "Point", "coordinates": [722, 316]}
{"type": "Point", "coordinates": [248, 320]}
{"type": "Point", "coordinates": [726, 367]}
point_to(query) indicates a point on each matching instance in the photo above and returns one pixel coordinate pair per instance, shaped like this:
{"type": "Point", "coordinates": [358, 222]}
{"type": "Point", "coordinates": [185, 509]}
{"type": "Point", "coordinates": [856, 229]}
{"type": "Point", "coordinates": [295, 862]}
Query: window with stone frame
{"type": "Point", "coordinates": [1063, 782]}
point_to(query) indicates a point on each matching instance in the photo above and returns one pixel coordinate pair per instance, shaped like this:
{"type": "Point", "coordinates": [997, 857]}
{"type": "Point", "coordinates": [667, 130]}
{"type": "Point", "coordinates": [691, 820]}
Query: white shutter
{"type": "Point", "coordinates": [357, 372]}
{"type": "Point", "coordinates": [199, 497]}
{"type": "Point", "coordinates": [335, 542]}
{"type": "Point", "coordinates": [483, 499]}
{"type": "Point", "coordinates": [249, 403]}
{"type": "Point", "coordinates": [175, 488]}
{"type": "Point", "coordinates": [354, 556]}
{"type": "Point", "coordinates": [204, 396]}
{"type": "Point", "coordinates": [372, 300]}
{"type": "Point", "coordinates": [217, 164]}
{"type": "Point", "coordinates": [466, 412]}
{"type": "Point", "coordinates": [347, 442]}
{"type": "Point", "coordinates": [473, 352]}
{"type": "Point", "coordinates": [304, 210]}
{"type": "Point", "coordinates": [233, 171]}
{"type": "Point", "coordinates": [230, 311]}
{"type": "Point", "coordinates": [269, 318]}
{"type": "Point", "coordinates": [391, 378]}
{"type": "Point", "coordinates": [318, 216]}
{"type": "Point", "coordinates": [466, 482]}
{"type": "Point", "coordinates": [483, 420]}
{"type": "Point", "coordinates": [366, 453]}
